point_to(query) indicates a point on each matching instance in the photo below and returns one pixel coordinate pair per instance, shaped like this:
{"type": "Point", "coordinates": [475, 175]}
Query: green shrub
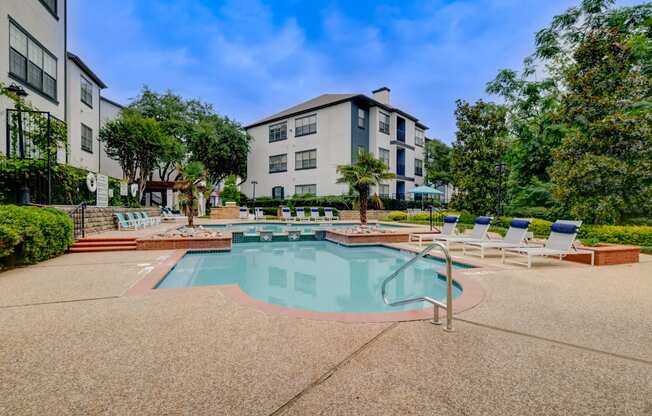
{"type": "Point", "coordinates": [29, 234]}
{"type": "Point", "coordinates": [230, 192]}
{"type": "Point", "coordinates": [618, 234]}
{"type": "Point", "coordinates": [396, 216]}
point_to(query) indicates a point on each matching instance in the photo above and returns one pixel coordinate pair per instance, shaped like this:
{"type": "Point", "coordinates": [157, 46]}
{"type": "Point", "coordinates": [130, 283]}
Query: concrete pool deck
{"type": "Point", "coordinates": [561, 338]}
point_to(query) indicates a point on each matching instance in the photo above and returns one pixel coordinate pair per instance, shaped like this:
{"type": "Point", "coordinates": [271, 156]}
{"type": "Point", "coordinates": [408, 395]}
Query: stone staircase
{"type": "Point", "coordinates": [96, 244]}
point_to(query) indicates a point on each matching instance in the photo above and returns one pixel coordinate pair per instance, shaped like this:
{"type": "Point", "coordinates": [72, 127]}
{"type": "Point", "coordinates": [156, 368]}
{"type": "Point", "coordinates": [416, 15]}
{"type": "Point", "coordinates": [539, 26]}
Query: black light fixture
{"type": "Point", "coordinates": [17, 90]}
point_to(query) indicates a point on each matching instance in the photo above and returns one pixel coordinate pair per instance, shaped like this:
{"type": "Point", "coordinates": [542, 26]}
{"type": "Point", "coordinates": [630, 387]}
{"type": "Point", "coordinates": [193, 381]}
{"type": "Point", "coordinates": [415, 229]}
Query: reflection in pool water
{"type": "Point", "coordinates": [318, 276]}
{"type": "Point", "coordinates": [279, 228]}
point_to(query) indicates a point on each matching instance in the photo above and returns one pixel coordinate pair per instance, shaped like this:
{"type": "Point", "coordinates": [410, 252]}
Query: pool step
{"type": "Point", "coordinates": [96, 244]}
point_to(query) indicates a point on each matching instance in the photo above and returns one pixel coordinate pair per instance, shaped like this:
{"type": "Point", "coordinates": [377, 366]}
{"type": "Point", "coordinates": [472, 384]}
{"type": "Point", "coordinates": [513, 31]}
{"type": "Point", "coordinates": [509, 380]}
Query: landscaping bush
{"type": "Point", "coordinates": [618, 234]}
{"type": "Point", "coordinates": [396, 216]}
{"type": "Point", "coordinates": [30, 234]}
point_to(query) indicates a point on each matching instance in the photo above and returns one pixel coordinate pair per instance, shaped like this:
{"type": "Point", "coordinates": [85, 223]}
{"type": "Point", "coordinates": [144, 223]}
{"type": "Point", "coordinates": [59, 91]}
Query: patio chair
{"type": "Point", "coordinates": [314, 214]}
{"type": "Point", "coordinates": [244, 213]}
{"type": "Point", "coordinates": [328, 215]}
{"type": "Point", "coordinates": [286, 214]}
{"type": "Point", "coordinates": [560, 243]}
{"type": "Point", "coordinates": [450, 224]}
{"type": "Point", "coordinates": [132, 217]}
{"type": "Point", "coordinates": [301, 214]}
{"type": "Point", "coordinates": [124, 223]}
{"type": "Point", "coordinates": [153, 220]}
{"type": "Point", "coordinates": [515, 237]}
{"type": "Point", "coordinates": [258, 214]}
{"type": "Point", "coordinates": [168, 215]}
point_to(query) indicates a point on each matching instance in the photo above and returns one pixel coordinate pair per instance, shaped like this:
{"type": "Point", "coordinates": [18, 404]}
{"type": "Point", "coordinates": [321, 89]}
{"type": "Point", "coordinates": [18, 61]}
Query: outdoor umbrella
{"type": "Point", "coordinates": [425, 190]}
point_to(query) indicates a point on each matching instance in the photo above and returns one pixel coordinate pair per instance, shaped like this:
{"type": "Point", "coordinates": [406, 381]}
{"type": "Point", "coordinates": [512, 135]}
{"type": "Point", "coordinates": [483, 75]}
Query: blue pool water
{"type": "Point", "coordinates": [317, 275]}
{"type": "Point", "coordinates": [279, 228]}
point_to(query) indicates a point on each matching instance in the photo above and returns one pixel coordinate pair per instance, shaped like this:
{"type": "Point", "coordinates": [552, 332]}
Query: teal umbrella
{"type": "Point", "coordinates": [425, 190]}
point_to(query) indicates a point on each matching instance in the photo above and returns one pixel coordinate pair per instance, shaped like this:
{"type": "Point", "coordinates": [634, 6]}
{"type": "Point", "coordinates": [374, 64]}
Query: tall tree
{"type": "Point", "coordinates": [479, 146]}
{"type": "Point", "coordinates": [360, 176]}
{"type": "Point", "coordinates": [438, 162]}
{"type": "Point", "coordinates": [136, 142]}
{"type": "Point", "coordinates": [221, 145]}
{"type": "Point", "coordinates": [602, 171]}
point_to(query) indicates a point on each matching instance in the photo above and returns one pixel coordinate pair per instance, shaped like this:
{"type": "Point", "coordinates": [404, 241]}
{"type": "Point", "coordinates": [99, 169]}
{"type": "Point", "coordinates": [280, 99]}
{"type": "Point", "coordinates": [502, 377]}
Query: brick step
{"type": "Point", "coordinates": [102, 248]}
{"type": "Point", "coordinates": [106, 239]}
{"type": "Point", "coordinates": [104, 243]}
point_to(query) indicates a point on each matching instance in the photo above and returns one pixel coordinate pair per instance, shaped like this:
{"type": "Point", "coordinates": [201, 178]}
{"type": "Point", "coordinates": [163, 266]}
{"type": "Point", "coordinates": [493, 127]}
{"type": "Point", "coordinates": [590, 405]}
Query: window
{"type": "Point", "coordinates": [383, 190]}
{"type": "Point", "coordinates": [305, 160]}
{"type": "Point", "coordinates": [305, 125]}
{"type": "Point", "coordinates": [51, 5]}
{"type": "Point", "coordinates": [278, 132]}
{"type": "Point", "coordinates": [86, 138]}
{"type": "Point", "coordinates": [383, 154]}
{"type": "Point", "coordinates": [278, 163]}
{"type": "Point", "coordinates": [278, 192]}
{"type": "Point", "coordinates": [400, 129]}
{"type": "Point", "coordinates": [86, 92]}
{"type": "Point", "coordinates": [32, 64]}
{"type": "Point", "coordinates": [418, 137]}
{"type": "Point", "coordinates": [418, 167]}
{"type": "Point", "coordinates": [383, 123]}
{"type": "Point", "coordinates": [361, 118]}
{"type": "Point", "coordinates": [305, 189]}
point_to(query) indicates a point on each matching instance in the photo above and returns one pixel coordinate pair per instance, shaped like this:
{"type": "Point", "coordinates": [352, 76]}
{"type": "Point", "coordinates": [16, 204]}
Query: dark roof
{"type": "Point", "coordinates": [327, 100]}
{"type": "Point", "coordinates": [77, 60]}
{"type": "Point", "coordinates": [111, 102]}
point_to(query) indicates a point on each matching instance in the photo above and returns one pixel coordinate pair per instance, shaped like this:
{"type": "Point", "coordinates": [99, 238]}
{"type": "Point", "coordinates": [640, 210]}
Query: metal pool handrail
{"type": "Point", "coordinates": [437, 304]}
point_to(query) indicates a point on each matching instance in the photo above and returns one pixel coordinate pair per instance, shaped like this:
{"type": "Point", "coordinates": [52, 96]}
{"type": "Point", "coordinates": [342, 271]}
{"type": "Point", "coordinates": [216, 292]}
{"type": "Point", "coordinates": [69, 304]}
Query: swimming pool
{"type": "Point", "coordinates": [317, 275]}
{"type": "Point", "coordinates": [281, 228]}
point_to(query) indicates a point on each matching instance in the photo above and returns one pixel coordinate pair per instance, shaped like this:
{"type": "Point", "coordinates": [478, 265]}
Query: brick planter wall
{"type": "Point", "coordinates": [101, 219]}
{"type": "Point", "coordinates": [371, 238]}
{"type": "Point", "coordinates": [221, 242]}
{"type": "Point", "coordinates": [225, 213]}
{"type": "Point", "coordinates": [607, 254]}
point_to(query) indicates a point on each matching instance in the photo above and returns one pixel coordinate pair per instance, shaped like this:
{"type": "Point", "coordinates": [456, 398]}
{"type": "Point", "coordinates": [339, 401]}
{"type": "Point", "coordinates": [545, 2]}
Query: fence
{"type": "Point", "coordinates": [33, 135]}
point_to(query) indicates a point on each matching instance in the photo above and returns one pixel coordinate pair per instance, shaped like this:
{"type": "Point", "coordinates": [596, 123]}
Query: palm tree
{"type": "Point", "coordinates": [192, 182]}
{"type": "Point", "coordinates": [361, 175]}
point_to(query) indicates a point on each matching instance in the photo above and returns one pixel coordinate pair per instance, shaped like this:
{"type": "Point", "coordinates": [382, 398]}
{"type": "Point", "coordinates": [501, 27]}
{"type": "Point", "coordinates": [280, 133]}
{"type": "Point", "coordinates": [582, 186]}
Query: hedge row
{"type": "Point", "coordinates": [341, 202]}
{"type": "Point", "coordinates": [30, 234]}
{"type": "Point", "coordinates": [615, 234]}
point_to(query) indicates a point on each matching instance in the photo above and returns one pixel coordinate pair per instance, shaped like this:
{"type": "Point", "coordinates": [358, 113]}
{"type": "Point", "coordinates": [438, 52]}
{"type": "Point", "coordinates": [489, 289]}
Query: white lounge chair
{"type": "Point", "coordinates": [168, 215]}
{"type": "Point", "coordinates": [153, 220]}
{"type": "Point", "coordinates": [515, 237]}
{"type": "Point", "coordinates": [286, 214]}
{"type": "Point", "coordinates": [450, 224]}
{"type": "Point", "coordinates": [136, 220]}
{"type": "Point", "coordinates": [328, 215]}
{"type": "Point", "coordinates": [259, 214]}
{"type": "Point", "coordinates": [478, 233]}
{"type": "Point", "coordinates": [124, 223]}
{"type": "Point", "coordinates": [314, 214]}
{"type": "Point", "coordinates": [559, 243]}
{"type": "Point", "coordinates": [244, 213]}
{"type": "Point", "coordinates": [301, 214]}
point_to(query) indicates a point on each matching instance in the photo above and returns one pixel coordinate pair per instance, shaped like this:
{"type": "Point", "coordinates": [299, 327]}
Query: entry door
{"type": "Point", "coordinates": [278, 192]}
{"type": "Point", "coordinates": [400, 190]}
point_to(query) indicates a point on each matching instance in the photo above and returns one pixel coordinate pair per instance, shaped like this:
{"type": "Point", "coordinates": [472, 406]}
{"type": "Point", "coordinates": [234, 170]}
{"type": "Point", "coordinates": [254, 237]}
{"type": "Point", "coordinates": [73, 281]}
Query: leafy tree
{"type": "Point", "coordinates": [222, 145]}
{"type": "Point", "coordinates": [479, 146]}
{"type": "Point", "coordinates": [438, 162]}
{"type": "Point", "coordinates": [191, 183]}
{"type": "Point", "coordinates": [230, 193]}
{"type": "Point", "coordinates": [137, 143]}
{"type": "Point", "coordinates": [360, 176]}
{"type": "Point", "coordinates": [602, 170]}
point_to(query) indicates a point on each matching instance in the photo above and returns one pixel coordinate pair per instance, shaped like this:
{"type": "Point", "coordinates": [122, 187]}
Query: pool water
{"type": "Point", "coordinates": [317, 275]}
{"type": "Point", "coordinates": [280, 228]}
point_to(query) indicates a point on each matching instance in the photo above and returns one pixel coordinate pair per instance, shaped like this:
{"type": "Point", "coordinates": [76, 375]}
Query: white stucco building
{"type": "Point", "coordinates": [34, 57]}
{"type": "Point", "coordinates": [297, 150]}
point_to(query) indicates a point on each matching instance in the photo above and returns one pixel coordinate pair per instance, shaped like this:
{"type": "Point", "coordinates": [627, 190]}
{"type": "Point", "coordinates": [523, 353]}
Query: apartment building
{"type": "Point", "coordinates": [56, 81]}
{"type": "Point", "coordinates": [297, 150]}
{"type": "Point", "coordinates": [33, 55]}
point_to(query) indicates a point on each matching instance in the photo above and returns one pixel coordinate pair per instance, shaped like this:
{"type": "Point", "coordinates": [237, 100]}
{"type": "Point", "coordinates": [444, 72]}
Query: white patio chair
{"type": "Point", "coordinates": [450, 224]}
{"type": "Point", "coordinates": [515, 237]}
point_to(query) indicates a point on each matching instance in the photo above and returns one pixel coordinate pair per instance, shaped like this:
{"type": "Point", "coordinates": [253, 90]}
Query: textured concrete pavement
{"type": "Point", "coordinates": [560, 340]}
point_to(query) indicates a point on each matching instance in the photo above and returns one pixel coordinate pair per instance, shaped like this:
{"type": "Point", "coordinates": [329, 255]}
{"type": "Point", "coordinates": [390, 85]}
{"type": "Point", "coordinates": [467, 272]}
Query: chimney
{"type": "Point", "coordinates": [381, 95]}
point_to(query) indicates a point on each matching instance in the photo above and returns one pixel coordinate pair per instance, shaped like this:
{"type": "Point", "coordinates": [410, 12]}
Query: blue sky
{"type": "Point", "coordinates": [251, 58]}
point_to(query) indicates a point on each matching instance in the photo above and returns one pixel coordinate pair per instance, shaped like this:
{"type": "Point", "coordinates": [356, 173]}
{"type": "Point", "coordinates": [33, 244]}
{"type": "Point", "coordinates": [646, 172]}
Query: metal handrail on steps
{"type": "Point", "coordinates": [437, 304]}
{"type": "Point", "coordinates": [78, 215]}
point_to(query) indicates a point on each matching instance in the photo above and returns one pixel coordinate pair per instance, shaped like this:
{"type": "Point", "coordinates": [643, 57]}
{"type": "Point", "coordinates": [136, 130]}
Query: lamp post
{"type": "Point", "coordinates": [500, 170]}
{"type": "Point", "coordinates": [254, 183]}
